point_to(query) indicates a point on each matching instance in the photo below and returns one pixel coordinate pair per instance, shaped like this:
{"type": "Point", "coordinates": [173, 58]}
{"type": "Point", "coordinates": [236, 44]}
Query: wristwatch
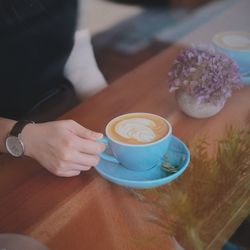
{"type": "Point", "coordinates": [13, 142]}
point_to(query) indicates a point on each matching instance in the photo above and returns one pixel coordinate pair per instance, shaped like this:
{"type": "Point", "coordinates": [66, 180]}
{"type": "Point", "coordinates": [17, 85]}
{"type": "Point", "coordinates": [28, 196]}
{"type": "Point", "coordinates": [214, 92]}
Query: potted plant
{"type": "Point", "coordinates": [203, 79]}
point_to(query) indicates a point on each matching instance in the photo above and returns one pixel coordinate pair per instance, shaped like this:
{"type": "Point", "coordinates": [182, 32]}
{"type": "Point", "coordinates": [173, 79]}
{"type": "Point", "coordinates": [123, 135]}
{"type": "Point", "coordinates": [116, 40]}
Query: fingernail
{"type": "Point", "coordinates": [99, 135]}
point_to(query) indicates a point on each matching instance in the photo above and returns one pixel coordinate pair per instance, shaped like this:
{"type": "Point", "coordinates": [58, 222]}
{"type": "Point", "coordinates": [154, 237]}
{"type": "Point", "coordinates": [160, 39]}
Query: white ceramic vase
{"type": "Point", "coordinates": [189, 105]}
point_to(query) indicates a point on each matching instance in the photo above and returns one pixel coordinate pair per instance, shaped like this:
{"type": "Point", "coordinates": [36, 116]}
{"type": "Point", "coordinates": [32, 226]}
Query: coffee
{"type": "Point", "coordinates": [138, 141]}
{"type": "Point", "coordinates": [235, 40]}
{"type": "Point", "coordinates": [137, 128]}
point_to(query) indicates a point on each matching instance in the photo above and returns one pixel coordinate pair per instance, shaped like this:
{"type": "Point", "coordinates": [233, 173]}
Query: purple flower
{"type": "Point", "coordinates": [205, 74]}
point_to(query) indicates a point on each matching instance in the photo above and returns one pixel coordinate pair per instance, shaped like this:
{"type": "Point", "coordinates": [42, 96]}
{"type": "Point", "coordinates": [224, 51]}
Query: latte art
{"type": "Point", "coordinates": [139, 129]}
{"type": "Point", "coordinates": [237, 40]}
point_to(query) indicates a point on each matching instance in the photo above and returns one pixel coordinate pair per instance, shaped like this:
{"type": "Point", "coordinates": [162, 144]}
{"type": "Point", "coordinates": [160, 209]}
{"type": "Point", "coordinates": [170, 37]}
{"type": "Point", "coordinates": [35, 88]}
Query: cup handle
{"type": "Point", "coordinates": [104, 155]}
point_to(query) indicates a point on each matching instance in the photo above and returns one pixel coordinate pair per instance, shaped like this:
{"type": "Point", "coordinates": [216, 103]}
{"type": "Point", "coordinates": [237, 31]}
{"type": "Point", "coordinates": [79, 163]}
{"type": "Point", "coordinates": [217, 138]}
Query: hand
{"type": "Point", "coordinates": [65, 148]}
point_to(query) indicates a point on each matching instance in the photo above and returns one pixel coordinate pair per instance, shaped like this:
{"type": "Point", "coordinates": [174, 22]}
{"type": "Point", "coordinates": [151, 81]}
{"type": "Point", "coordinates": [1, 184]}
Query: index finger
{"type": "Point", "coordinates": [85, 132]}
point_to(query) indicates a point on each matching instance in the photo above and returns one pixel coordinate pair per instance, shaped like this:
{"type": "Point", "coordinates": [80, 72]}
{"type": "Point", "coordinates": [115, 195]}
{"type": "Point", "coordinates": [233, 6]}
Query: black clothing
{"type": "Point", "coordinates": [36, 37]}
{"type": "Point", "coordinates": [143, 2]}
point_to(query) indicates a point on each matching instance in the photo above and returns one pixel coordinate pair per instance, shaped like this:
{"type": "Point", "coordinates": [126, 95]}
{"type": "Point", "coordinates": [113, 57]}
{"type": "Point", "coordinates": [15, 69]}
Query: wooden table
{"type": "Point", "coordinates": [88, 212]}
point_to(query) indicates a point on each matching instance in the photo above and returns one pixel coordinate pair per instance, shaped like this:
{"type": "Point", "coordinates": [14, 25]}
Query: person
{"type": "Point", "coordinates": [37, 37]}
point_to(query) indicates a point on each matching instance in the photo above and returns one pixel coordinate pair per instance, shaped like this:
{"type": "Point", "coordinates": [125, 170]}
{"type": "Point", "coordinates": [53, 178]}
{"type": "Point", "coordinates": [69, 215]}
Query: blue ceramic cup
{"type": "Point", "coordinates": [137, 157]}
{"type": "Point", "coordinates": [236, 45]}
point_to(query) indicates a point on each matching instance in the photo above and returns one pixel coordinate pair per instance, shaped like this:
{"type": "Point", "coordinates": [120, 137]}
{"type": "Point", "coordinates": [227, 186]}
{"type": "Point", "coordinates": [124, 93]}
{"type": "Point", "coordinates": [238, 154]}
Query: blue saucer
{"type": "Point", "coordinates": [178, 155]}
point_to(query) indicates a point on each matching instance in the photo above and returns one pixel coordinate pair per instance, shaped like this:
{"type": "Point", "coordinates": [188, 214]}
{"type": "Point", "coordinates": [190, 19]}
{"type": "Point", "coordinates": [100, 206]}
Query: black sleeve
{"type": "Point", "coordinates": [36, 37]}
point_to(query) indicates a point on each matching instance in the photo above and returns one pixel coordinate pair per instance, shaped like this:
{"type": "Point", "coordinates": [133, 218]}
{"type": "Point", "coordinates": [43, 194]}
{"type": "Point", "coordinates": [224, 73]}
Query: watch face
{"type": "Point", "coordinates": [14, 146]}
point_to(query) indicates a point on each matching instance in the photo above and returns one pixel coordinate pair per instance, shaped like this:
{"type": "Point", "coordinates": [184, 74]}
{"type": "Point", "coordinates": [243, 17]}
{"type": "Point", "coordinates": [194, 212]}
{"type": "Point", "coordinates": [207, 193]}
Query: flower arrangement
{"type": "Point", "coordinates": [205, 74]}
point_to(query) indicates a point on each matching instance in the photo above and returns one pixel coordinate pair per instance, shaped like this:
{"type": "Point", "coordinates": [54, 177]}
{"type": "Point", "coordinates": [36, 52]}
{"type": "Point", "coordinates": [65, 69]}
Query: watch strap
{"type": "Point", "coordinates": [18, 127]}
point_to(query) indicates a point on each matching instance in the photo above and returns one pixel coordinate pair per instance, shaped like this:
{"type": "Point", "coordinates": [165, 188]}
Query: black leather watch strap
{"type": "Point", "coordinates": [18, 127]}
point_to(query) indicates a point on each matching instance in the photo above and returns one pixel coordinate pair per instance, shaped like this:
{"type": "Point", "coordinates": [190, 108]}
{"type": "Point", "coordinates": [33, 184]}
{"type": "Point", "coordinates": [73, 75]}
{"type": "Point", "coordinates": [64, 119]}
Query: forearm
{"type": "Point", "coordinates": [5, 127]}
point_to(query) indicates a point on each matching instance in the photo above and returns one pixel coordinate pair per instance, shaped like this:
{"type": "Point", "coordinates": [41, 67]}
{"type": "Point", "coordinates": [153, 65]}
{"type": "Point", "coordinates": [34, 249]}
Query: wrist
{"type": "Point", "coordinates": [6, 125]}
{"type": "Point", "coordinates": [27, 135]}
{"type": "Point", "coordinates": [14, 142]}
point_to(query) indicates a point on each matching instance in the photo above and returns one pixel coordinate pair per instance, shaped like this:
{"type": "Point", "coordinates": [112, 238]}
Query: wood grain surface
{"type": "Point", "coordinates": [87, 212]}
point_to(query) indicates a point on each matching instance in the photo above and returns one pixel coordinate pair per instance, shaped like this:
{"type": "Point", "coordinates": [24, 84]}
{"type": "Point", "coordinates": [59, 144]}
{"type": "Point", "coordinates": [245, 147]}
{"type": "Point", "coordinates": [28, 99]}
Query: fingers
{"type": "Point", "coordinates": [75, 167]}
{"type": "Point", "coordinates": [68, 169]}
{"type": "Point", "coordinates": [84, 132]}
{"type": "Point", "coordinates": [81, 159]}
{"type": "Point", "coordinates": [88, 146]}
{"type": "Point", "coordinates": [69, 173]}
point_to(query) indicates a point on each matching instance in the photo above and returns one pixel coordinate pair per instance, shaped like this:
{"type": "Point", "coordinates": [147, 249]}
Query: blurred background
{"type": "Point", "coordinates": [126, 33]}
